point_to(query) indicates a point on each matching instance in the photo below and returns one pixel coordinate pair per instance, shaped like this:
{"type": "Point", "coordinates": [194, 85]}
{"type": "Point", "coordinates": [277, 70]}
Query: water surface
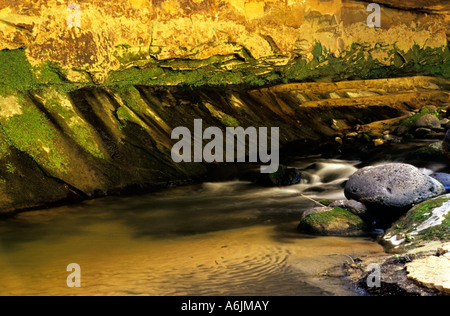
{"type": "Point", "coordinates": [227, 238]}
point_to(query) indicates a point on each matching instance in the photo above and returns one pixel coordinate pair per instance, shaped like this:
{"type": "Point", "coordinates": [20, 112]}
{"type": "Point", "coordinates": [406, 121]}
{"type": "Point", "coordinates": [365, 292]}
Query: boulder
{"type": "Point", "coordinates": [353, 206]}
{"type": "Point", "coordinates": [283, 177]}
{"type": "Point", "coordinates": [428, 121]}
{"type": "Point", "coordinates": [432, 272]}
{"type": "Point", "coordinates": [429, 220]}
{"type": "Point", "coordinates": [328, 221]}
{"type": "Point", "coordinates": [392, 186]}
{"type": "Point", "coordinates": [431, 151]}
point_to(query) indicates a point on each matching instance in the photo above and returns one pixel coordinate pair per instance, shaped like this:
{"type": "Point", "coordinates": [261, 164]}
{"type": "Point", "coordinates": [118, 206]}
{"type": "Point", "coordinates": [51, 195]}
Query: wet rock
{"type": "Point", "coordinates": [315, 210]}
{"type": "Point", "coordinates": [431, 272]}
{"type": "Point", "coordinates": [332, 221]}
{"type": "Point", "coordinates": [433, 150]}
{"type": "Point", "coordinates": [283, 177]}
{"type": "Point", "coordinates": [378, 142]}
{"type": "Point", "coordinates": [429, 109]}
{"type": "Point", "coordinates": [353, 206]}
{"type": "Point", "coordinates": [421, 272]}
{"type": "Point", "coordinates": [429, 220]}
{"type": "Point", "coordinates": [428, 121]}
{"type": "Point", "coordinates": [340, 125]}
{"type": "Point", "coordinates": [443, 178]}
{"type": "Point", "coordinates": [392, 186]}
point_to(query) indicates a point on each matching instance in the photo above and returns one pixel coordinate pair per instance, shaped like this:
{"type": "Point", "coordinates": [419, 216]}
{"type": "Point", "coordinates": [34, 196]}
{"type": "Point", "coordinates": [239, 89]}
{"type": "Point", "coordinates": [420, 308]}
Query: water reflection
{"type": "Point", "coordinates": [227, 238]}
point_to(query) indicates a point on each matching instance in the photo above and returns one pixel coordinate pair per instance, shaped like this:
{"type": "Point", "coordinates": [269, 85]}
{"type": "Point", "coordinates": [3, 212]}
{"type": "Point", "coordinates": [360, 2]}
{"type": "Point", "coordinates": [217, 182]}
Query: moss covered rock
{"type": "Point", "coordinates": [104, 140]}
{"type": "Point", "coordinates": [425, 222]}
{"type": "Point", "coordinates": [327, 221]}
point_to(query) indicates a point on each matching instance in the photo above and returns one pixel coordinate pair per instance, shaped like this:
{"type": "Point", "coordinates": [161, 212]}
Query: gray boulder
{"type": "Point", "coordinates": [428, 121]}
{"type": "Point", "coordinates": [393, 185]}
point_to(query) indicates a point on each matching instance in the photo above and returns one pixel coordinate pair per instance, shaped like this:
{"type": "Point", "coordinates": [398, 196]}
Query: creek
{"type": "Point", "coordinates": [212, 238]}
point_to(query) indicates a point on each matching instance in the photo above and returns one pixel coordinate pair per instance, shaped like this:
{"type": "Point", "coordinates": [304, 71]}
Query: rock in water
{"type": "Point", "coordinates": [355, 207]}
{"type": "Point", "coordinates": [443, 178]}
{"type": "Point", "coordinates": [283, 177]}
{"type": "Point", "coordinates": [428, 121]}
{"type": "Point", "coordinates": [392, 186]}
{"type": "Point", "coordinates": [328, 221]}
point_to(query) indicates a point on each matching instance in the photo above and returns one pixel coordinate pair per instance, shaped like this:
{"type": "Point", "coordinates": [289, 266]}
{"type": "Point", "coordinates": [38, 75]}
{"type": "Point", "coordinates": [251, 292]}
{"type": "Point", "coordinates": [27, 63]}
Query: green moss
{"type": "Point", "coordinates": [229, 121]}
{"type": "Point", "coordinates": [4, 146]}
{"type": "Point", "coordinates": [326, 202]}
{"type": "Point", "coordinates": [336, 221]}
{"type": "Point", "coordinates": [50, 73]}
{"type": "Point", "coordinates": [83, 136]}
{"type": "Point", "coordinates": [10, 168]}
{"type": "Point", "coordinates": [441, 232]}
{"type": "Point", "coordinates": [125, 115]}
{"type": "Point", "coordinates": [131, 97]}
{"type": "Point", "coordinates": [136, 76]}
{"type": "Point", "coordinates": [433, 150]}
{"type": "Point", "coordinates": [409, 122]}
{"type": "Point", "coordinates": [406, 225]}
{"type": "Point", "coordinates": [429, 110]}
{"type": "Point", "coordinates": [78, 129]}
{"type": "Point", "coordinates": [421, 213]}
{"type": "Point", "coordinates": [355, 62]}
{"type": "Point", "coordinates": [336, 214]}
{"type": "Point", "coordinates": [127, 54]}
{"type": "Point", "coordinates": [15, 72]}
{"type": "Point", "coordinates": [32, 133]}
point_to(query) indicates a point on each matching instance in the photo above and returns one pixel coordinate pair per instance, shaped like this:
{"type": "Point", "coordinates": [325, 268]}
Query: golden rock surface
{"type": "Point", "coordinates": [199, 29]}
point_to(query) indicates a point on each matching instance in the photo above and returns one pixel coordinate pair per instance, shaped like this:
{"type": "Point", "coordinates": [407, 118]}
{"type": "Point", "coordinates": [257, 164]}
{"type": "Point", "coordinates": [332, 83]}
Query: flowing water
{"type": "Point", "coordinates": [227, 238]}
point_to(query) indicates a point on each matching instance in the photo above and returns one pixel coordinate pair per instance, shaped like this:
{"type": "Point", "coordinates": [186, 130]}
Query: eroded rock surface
{"type": "Point", "coordinates": [256, 35]}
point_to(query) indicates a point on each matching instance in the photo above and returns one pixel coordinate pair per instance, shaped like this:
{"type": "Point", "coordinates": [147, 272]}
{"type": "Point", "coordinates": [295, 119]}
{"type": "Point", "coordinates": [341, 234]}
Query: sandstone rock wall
{"type": "Point", "coordinates": [114, 35]}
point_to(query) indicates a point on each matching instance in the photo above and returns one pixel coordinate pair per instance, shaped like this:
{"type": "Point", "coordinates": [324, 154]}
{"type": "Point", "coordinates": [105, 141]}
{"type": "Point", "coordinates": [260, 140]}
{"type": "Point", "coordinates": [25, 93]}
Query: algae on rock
{"type": "Point", "coordinates": [425, 222]}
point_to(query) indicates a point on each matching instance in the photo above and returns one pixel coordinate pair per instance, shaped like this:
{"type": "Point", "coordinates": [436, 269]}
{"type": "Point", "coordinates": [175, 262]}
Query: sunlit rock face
{"type": "Point", "coordinates": [114, 35]}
